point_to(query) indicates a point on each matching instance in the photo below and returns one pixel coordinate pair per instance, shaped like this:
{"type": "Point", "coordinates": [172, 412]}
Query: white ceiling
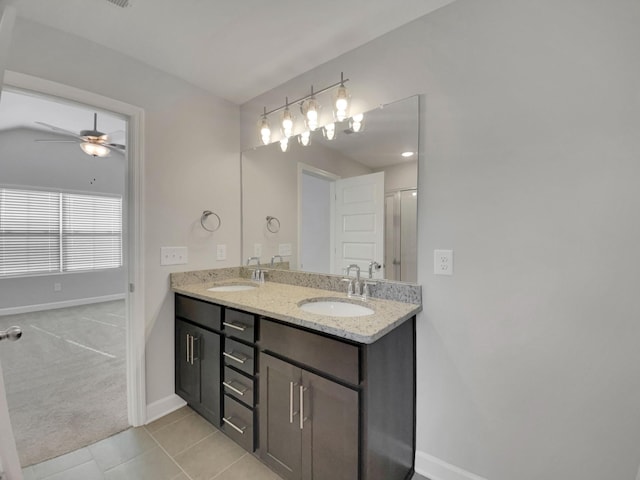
{"type": "Point", "coordinates": [236, 49]}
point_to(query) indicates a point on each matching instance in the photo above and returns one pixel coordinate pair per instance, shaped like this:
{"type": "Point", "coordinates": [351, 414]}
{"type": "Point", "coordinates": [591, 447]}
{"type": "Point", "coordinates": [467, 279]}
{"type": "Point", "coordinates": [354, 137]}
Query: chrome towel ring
{"type": "Point", "coordinates": [273, 224]}
{"type": "Point", "coordinates": [204, 217]}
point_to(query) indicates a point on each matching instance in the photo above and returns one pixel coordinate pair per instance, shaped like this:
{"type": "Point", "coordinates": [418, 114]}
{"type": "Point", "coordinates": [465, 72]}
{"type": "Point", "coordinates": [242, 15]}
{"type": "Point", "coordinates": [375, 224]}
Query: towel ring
{"type": "Point", "coordinates": [205, 215]}
{"type": "Point", "coordinates": [273, 224]}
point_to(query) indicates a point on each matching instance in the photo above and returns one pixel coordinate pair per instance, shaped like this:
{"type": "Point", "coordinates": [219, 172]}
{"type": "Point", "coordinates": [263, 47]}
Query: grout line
{"type": "Point", "coordinates": [194, 444]}
{"type": "Point", "coordinates": [65, 470]}
{"type": "Point", "coordinates": [229, 466]}
{"type": "Point", "coordinates": [172, 459]}
{"type": "Point", "coordinates": [172, 423]}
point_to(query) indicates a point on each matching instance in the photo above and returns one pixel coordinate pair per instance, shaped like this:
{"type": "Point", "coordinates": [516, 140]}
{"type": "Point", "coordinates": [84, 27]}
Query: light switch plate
{"type": "Point", "coordinates": [443, 262]}
{"type": "Point", "coordinates": [173, 255]}
{"type": "Point", "coordinates": [221, 252]}
{"type": "Point", "coordinates": [284, 249]}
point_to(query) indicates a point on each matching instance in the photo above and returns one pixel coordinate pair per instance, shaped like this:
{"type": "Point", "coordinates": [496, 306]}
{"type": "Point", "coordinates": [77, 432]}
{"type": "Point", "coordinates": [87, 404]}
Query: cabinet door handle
{"type": "Point", "coordinates": [291, 386]}
{"type": "Point", "coordinates": [194, 344]}
{"type": "Point", "coordinates": [238, 429]}
{"type": "Point", "coordinates": [235, 326]}
{"type": "Point", "coordinates": [302, 417]}
{"type": "Point", "coordinates": [234, 389]}
{"type": "Point", "coordinates": [233, 356]}
{"type": "Point", "coordinates": [188, 355]}
{"type": "Point", "coordinates": [191, 349]}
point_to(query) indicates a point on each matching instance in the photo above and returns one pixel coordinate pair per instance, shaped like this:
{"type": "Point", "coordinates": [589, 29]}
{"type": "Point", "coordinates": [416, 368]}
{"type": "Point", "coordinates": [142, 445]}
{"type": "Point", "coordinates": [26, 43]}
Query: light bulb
{"type": "Point", "coordinates": [341, 103]}
{"type": "Point", "coordinates": [305, 138]}
{"type": "Point", "coordinates": [287, 123]}
{"type": "Point", "coordinates": [284, 144]}
{"type": "Point", "coordinates": [356, 122]}
{"type": "Point", "coordinates": [329, 131]}
{"type": "Point", "coordinates": [94, 149]}
{"type": "Point", "coordinates": [265, 131]}
{"type": "Point", "coordinates": [311, 113]}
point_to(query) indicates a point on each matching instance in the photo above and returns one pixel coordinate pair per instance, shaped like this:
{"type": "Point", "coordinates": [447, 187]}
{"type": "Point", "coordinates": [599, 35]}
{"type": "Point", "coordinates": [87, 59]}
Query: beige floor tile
{"type": "Point", "coordinates": [151, 465]}
{"type": "Point", "coordinates": [121, 448]}
{"type": "Point", "coordinates": [182, 476]}
{"type": "Point", "coordinates": [184, 433]}
{"type": "Point", "coordinates": [209, 457]}
{"type": "Point", "coordinates": [246, 468]}
{"type": "Point", "coordinates": [167, 419]}
{"type": "Point", "coordinates": [86, 471]}
{"type": "Point", "coordinates": [62, 463]}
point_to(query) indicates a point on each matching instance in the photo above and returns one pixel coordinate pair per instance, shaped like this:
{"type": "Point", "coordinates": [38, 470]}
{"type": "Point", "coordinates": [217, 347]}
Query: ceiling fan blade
{"type": "Point", "coordinates": [58, 129]}
{"type": "Point", "coordinates": [42, 140]}
{"type": "Point", "coordinates": [116, 146]}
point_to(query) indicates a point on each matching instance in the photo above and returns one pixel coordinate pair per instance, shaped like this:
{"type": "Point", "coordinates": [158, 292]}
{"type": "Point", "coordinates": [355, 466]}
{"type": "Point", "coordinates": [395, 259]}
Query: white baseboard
{"type": "Point", "coordinates": [163, 407]}
{"type": "Point", "coordinates": [435, 469]}
{"type": "Point", "coordinates": [64, 304]}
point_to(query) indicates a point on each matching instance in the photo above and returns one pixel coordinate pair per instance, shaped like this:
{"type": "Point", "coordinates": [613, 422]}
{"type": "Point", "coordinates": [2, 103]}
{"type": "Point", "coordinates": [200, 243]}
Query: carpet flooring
{"type": "Point", "coordinates": [66, 378]}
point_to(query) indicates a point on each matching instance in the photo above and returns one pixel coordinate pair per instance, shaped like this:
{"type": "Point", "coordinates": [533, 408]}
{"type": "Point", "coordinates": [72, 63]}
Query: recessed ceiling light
{"type": "Point", "coordinates": [408, 154]}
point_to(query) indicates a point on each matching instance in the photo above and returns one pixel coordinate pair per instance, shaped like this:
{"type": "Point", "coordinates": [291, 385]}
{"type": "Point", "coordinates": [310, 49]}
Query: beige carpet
{"type": "Point", "coordinates": [66, 378]}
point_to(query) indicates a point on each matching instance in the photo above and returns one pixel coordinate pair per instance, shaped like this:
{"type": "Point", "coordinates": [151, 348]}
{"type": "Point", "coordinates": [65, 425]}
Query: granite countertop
{"type": "Point", "coordinates": [280, 301]}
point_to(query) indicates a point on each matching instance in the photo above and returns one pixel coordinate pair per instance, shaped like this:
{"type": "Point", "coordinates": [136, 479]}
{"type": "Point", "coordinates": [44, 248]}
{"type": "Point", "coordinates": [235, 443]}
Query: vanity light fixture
{"type": "Point", "coordinates": [284, 144]}
{"type": "Point", "coordinates": [94, 149]}
{"type": "Point", "coordinates": [287, 120]}
{"type": "Point", "coordinates": [407, 154]}
{"type": "Point", "coordinates": [305, 138]}
{"type": "Point", "coordinates": [265, 130]}
{"type": "Point", "coordinates": [310, 108]}
{"type": "Point", "coordinates": [329, 131]}
{"type": "Point", "coordinates": [356, 123]}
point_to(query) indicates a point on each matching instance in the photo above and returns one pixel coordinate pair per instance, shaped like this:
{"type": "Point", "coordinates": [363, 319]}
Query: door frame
{"type": "Point", "coordinates": [135, 361]}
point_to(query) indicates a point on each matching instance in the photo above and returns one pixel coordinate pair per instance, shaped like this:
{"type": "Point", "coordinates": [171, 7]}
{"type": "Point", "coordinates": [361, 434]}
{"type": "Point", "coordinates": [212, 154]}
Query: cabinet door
{"type": "Point", "coordinates": [280, 434]}
{"type": "Point", "coordinates": [330, 429]}
{"type": "Point", "coordinates": [187, 371]}
{"type": "Point", "coordinates": [207, 354]}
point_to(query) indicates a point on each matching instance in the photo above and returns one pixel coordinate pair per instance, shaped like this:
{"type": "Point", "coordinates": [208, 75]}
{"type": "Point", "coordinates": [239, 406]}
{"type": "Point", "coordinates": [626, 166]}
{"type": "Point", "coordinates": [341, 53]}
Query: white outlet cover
{"type": "Point", "coordinates": [443, 262]}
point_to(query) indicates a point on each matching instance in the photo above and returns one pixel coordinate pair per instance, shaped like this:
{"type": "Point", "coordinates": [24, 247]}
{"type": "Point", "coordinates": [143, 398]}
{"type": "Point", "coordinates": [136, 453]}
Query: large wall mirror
{"type": "Point", "coordinates": [330, 204]}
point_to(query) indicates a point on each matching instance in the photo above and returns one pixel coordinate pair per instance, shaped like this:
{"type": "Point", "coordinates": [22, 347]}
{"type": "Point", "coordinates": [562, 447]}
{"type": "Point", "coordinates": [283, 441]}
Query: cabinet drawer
{"type": "Point", "coordinates": [238, 386]}
{"type": "Point", "coordinates": [206, 314]}
{"type": "Point", "coordinates": [333, 357]}
{"type": "Point", "coordinates": [239, 356]}
{"type": "Point", "coordinates": [237, 423]}
{"type": "Point", "coordinates": [239, 325]}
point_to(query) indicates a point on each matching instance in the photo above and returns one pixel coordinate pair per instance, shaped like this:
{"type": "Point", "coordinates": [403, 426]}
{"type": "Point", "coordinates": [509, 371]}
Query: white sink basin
{"type": "Point", "coordinates": [231, 288]}
{"type": "Point", "coordinates": [336, 308]}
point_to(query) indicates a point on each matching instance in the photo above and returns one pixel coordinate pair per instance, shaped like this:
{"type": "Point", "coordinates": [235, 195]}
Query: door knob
{"type": "Point", "coordinates": [11, 333]}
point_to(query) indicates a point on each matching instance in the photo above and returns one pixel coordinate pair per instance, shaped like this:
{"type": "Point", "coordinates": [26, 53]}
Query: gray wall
{"type": "Point", "coordinates": [58, 166]}
{"type": "Point", "coordinates": [528, 358]}
{"type": "Point", "coordinates": [192, 163]}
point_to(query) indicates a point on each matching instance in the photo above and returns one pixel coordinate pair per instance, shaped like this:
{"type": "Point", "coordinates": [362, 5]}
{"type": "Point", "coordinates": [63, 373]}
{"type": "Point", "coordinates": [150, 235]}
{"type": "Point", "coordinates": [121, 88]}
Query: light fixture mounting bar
{"type": "Point", "coordinates": [302, 99]}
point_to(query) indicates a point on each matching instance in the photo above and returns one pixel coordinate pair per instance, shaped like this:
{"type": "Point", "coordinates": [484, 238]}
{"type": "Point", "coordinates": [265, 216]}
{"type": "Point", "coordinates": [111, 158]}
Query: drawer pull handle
{"type": "Point", "coordinates": [234, 389]}
{"type": "Point", "coordinates": [233, 356]}
{"type": "Point", "coordinates": [228, 421]}
{"type": "Point", "coordinates": [235, 326]}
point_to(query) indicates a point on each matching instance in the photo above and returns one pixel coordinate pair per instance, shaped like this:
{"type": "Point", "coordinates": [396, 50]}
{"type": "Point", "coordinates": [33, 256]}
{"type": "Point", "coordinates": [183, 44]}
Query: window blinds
{"type": "Point", "coordinates": [50, 232]}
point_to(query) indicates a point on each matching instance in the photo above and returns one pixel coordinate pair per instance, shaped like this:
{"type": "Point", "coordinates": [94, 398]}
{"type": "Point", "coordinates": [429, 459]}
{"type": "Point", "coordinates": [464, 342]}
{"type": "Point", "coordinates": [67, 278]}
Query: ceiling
{"type": "Point", "coordinates": [235, 49]}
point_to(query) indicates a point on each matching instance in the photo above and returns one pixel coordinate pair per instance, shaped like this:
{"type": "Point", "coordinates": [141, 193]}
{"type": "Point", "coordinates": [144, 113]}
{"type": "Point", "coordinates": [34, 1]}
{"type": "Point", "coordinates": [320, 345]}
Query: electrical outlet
{"type": "Point", "coordinates": [443, 262]}
{"type": "Point", "coordinates": [173, 255]}
{"type": "Point", "coordinates": [221, 252]}
{"type": "Point", "coordinates": [284, 249]}
{"type": "Point", "coordinates": [57, 287]}
{"type": "Point", "coordinates": [257, 250]}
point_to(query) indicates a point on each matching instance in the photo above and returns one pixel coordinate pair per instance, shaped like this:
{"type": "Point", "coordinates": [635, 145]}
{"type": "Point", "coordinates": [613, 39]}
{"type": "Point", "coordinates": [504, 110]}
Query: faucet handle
{"type": "Point", "coordinates": [349, 285]}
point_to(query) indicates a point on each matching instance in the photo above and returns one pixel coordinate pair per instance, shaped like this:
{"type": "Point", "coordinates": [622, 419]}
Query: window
{"type": "Point", "coordinates": [52, 232]}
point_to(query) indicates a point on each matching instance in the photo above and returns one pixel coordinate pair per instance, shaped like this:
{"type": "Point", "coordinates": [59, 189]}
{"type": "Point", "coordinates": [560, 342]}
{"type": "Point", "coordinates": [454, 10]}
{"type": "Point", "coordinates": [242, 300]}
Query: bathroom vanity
{"type": "Point", "coordinates": [313, 396]}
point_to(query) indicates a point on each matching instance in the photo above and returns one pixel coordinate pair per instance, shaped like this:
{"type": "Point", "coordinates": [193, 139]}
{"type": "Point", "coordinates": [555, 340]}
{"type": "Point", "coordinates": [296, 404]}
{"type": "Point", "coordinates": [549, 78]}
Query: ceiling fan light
{"type": "Point", "coordinates": [329, 131]}
{"type": "Point", "coordinates": [95, 149]}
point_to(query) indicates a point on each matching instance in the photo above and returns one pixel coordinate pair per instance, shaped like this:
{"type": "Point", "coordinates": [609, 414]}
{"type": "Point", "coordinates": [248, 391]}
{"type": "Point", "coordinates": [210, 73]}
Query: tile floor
{"type": "Point", "coordinates": [179, 446]}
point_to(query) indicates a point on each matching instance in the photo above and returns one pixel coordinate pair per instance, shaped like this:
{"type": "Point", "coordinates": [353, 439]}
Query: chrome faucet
{"type": "Point", "coordinates": [257, 275]}
{"type": "Point", "coordinates": [257, 259]}
{"type": "Point", "coordinates": [274, 257]}
{"type": "Point", "coordinates": [373, 264]}
{"type": "Point", "coordinates": [355, 287]}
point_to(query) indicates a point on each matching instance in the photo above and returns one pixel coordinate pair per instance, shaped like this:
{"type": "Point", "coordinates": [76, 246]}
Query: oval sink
{"type": "Point", "coordinates": [336, 308]}
{"type": "Point", "coordinates": [231, 288]}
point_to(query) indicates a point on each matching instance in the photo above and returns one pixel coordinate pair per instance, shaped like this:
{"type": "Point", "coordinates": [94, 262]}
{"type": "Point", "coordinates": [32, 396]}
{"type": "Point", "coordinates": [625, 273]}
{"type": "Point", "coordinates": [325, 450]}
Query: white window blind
{"type": "Point", "coordinates": [48, 232]}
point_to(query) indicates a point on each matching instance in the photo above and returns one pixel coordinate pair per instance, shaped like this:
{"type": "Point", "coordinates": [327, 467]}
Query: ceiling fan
{"type": "Point", "coordinates": [93, 142]}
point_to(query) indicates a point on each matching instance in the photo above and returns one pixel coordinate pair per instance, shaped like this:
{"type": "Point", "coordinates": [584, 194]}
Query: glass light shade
{"type": "Point", "coordinates": [265, 131]}
{"type": "Point", "coordinates": [310, 109]}
{"type": "Point", "coordinates": [287, 123]}
{"type": "Point", "coordinates": [284, 144]}
{"type": "Point", "coordinates": [305, 138]}
{"type": "Point", "coordinates": [356, 122]}
{"type": "Point", "coordinates": [94, 149]}
{"type": "Point", "coordinates": [341, 104]}
{"type": "Point", "coordinates": [329, 131]}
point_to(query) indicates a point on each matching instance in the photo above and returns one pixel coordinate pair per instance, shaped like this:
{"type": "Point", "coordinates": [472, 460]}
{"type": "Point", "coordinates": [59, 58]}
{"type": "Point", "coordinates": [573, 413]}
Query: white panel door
{"type": "Point", "coordinates": [9, 462]}
{"type": "Point", "coordinates": [359, 217]}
